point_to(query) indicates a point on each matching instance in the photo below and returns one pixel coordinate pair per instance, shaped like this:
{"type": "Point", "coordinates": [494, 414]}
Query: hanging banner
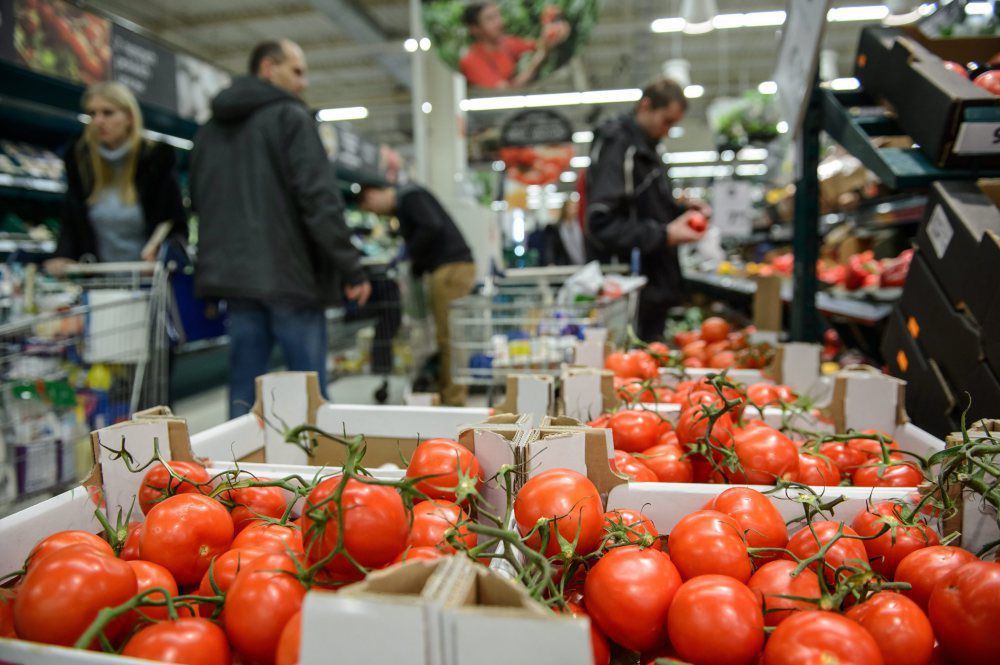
{"type": "Point", "coordinates": [535, 126]}
{"type": "Point", "coordinates": [536, 146]}
{"type": "Point", "coordinates": [508, 44]}
{"type": "Point", "coordinates": [61, 40]}
{"type": "Point", "coordinates": [144, 67]}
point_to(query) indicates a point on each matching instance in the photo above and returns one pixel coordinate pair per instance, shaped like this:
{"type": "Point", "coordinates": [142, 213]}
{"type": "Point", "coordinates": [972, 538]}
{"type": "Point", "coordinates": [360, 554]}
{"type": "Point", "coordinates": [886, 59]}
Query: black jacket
{"type": "Point", "coordinates": [270, 218]}
{"type": "Point", "coordinates": [432, 239]}
{"type": "Point", "coordinates": [155, 185]}
{"type": "Point", "coordinates": [629, 203]}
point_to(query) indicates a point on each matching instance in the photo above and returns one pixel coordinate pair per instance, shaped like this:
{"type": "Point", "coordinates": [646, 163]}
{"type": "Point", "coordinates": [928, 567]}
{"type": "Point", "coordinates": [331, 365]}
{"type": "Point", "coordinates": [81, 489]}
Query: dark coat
{"type": "Point", "coordinates": [432, 239]}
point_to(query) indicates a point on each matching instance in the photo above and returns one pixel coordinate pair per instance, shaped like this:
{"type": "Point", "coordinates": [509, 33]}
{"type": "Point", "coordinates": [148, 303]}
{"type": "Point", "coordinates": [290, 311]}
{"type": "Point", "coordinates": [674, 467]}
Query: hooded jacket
{"type": "Point", "coordinates": [270, 218]}
{"type": "Point", "coordinates": [630, 201]}
{"type": "Point", "coordinates": [432, 239]}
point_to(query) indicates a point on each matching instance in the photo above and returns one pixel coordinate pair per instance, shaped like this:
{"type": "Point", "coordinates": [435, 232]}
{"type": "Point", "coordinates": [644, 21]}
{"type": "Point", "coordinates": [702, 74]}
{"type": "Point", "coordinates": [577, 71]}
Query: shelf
{"type": "Point", "coordinates": [42, 189]}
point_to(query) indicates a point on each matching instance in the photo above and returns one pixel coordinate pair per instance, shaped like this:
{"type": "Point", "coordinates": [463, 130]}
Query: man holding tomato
{"type": "Point", "coordinates": [631, 205]}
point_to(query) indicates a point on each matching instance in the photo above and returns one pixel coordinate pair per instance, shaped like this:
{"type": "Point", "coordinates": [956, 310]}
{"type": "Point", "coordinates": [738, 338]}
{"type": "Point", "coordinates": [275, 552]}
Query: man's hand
{"type": "Point", "coordinates": [679, 232]}
{"type": "Point", "coordinates": [700, 206]}
{"type": "Point", "coordinates": [58, 266]}
{"type": "Point", "coordinates": [359, 293]}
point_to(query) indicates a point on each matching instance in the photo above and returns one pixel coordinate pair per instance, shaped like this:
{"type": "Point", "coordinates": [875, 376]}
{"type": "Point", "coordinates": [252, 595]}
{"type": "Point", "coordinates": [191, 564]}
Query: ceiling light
{"type": "Point", "coordinates": [849, 83]}
{"type": "Point", "coordinates": [979, 8]}
{"type": "Point", "coordinates": [751, 169]}
{"type": "Point", "coordinates": [860, 13]}
{"type": "Point", "coordinates": [782, 127]}
{"type": "Point", "coordinates": [425, 44]}
{"type": "Point", "coordinates": [583, 137]}
{"type": "Point", "coordinates": [704, 19]}
{"type": "Point", "coordinates": [663, 25]}
{"type": "Point", "coordinates": [727, 21]}
{"type": "Point", "coordinates": [698, 15]}
{"type": "Point", "coordinates": [580, 162]}
{"type": "Point", "coordinates": [559, 99]}
{"type": "Point", "coordinates": [718, 171]}
{"type": "Point", "coordinates": [752, 154]}
{"type": "Point", "coordinates": [345, 113]}
{"type": "Point", "coordinates": [426, 107]}
{"type": "Point", "coordinates": [691, 157]}
{"type": "Point", "coordinates": [764, 19]}
{"type": "Point", "coordinates": [767, 88]}
{"type": "Point", "coordinates": [175, 141]}
{"type": "Point", "coordinates": [567, 176]}
{"type": "Point", "coordinates": [676, 132]}
{"type": "Point", "coordinates": [411, 45]}
{"type": "Point", "coordinates": [694, 91]}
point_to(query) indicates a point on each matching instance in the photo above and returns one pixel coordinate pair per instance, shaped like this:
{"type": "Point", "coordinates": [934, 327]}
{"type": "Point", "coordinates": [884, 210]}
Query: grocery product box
{"type": "Point", "coordinates": [982, 385]}
{"type": "Point", "coordinates": [952, 119]}
{"type": "Point", "coordinates": [982, 300]}
{"type": "Point", "coordinates": [586, 392]}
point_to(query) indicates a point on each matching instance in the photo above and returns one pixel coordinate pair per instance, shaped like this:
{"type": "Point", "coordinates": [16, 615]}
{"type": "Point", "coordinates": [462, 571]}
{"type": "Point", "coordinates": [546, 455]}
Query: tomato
{"type": "Point", "coordinates": [761, 394]}
{"type": "Point", "coordinates": [598, 642]}
{"type": "Point", "coordinates": [925, 567]}
{"type": "Point", "coordinates": [442, 460]}
{"type": "Point", "coordinates": [713, 348]}
{"type": "Point", "coordinates": [188, 640]}
{"type": "Point", "coordinates": [7, 613]}
{"type": "Point", "coordinates": [601, 422]}
{"type": "Point", "coordinates": [267, 537]}
{"type": "Point", "coordinates": [963, 609]}
{"type": "Point", "coordinates": [61, 595]}
{"type": "Point", "coordinates": [844, 552]}
{"type": "Point", "coordinates": [894, 474]}
{"type": "Point", "coordinates": [871, 448]}
{"type": "Point", "coordinates": [262, 599]}
{"type": "Point", "coordinates": [900, 628]}
{"type": "Point", "coordinates": [150, 576]}
{"type": "Point", "coordinates": [766, 455]}
{"type": "Point", "coordinates": [415, 553]}
{"type": "Point", "coordinates": [899, 539]}
{"type": "Point", "coordinates": [695, 350]}
{"type": "Point", "coordinates": [634, 430]}
{"type": "Point", "coordinates": [571, 500]}
{"type": "Point", "coordinates": [815, 638]}
{"type": "Point", "coordinates": [758, 518]}
{"type": "Point", "coordinates": [631, 526]}
{"type": "Point", "coordinates": [667, 461]}
{"type": "Point", "coordinates": [158, 484]}
{"type": "Point", "coordinates": [737, 341]}
{"type": "Point", "coordinates": [375, 523]}
{"type": "Point", "coordinates": [716, 620]}
{"type": "Point", "coordinates": [817, 470]}
{"type": "Point", "coordinates": [290, 641]}
{"type": "Point", "coordinates": [62, 539]}
{"type": "Point", "coordinates": [256, 502]}
{"type": "Point", "coordinates": [989, 81]}
{"type": "Point", "coordinates": [183, 533]}
{"type": "Point", "coordinates": [431, 522]}
{"type": "Point", "coordinates": [714, 329]}
{"type": "Point", "coordinates": [659, 351]}
{"type": "Point", "coordinates": [130, 549]}
{"type": "Point", "coordinates": [693, 363]}
{"type": "Point", "coordinates": [692, 426]}
{"type": "Point", "coordinates": [722, 360]}
{"type": "Point", "coordinates": [631, 391]}
{"type": "Point", "coordinates": [846, 458]}
{"type": "Point", "coordinates": [709, 542]}
{"type": "Point", "coordinates": [628, 593]}
{"type": "Point", "coordinates": [773, 580]}
{"type": "Point", "coordinates": [697, 222]}
{"type": "Point", "coordinates": [684, 338]}
{"type": "Point", "coordinates": [642, 365]}
{"type": "Point", "coordinates": [635, 469]}
{"type": "Point", "coordinates": [957, 68]}
{"type": "Point", "coordinates": [617, 363]}
{"type": "Point", "coordinates": [224, 569]}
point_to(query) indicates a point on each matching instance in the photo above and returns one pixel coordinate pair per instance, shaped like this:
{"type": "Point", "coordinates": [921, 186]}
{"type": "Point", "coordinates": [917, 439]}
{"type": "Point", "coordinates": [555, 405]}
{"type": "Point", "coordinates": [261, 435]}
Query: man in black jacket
{"type": "Point", "coordinates": [630, 201]}
{"type": "Point", "coordinates": [272, 240]}
{"type": "Point", "coordinates": [436, 248]}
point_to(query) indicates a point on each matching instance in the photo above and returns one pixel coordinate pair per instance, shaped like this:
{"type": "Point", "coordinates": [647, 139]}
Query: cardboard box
{"type": "Point", "coordinates": [976, 519]}
{"type": "Point", "coordinates": [982, 300]}
{"type": "Point", "coordinates": [984, 388]}
{"type": "Point", "coordinates": [586, 392]}
{"type": "Point", "coordinates": [951, 119]}
{"type": "Point", "coordinates": [958, 215]}
{"type": "Point", "coordinates": [531, 394]}
{"type": "Point", "coordinates": [943, 333]}
{"type": "Point", "coordinates": [929, 400]}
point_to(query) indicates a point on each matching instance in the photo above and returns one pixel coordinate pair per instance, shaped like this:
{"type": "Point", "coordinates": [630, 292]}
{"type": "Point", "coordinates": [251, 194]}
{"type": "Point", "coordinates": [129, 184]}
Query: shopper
{"type": "Point", "coordinates": [563, 240]}
{"type": "Point", "coordinates": [492, 58]}
{"type": "Point", "coordinates": [272, 238]}
{"type": "Point", "coordinates": [436, 248]}
{"type": "Point", "coordinates": [630, 201]}
{"type": "Point", "coordinates": [119, 186]}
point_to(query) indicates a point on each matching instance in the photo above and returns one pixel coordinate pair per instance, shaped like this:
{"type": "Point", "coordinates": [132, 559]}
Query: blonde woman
{"type": "Point", "coordinates": [120, 187]}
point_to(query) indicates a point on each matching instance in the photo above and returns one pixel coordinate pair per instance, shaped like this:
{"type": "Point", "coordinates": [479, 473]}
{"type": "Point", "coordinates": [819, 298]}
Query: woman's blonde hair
{"type": "Point", "coordinates": [121, 97]}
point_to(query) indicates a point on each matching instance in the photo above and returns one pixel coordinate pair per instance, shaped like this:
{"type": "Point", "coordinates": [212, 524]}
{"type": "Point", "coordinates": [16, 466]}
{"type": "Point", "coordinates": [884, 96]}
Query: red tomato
{"type": "Point", "coordinates": [667, 461]}
{"type": "Point", "coordinates": [415, 553]}
{"type": "Point", "coordinates": [845, 552]}
{"type": "Point", "coordinates": [660, 352]}
{"type": "Point", "coordinates": [693, 363]}
{"type": "Point", "coordinates": [924, 568]}
{"type": "Point", "coordinates": [628, 593]}
{"type": "Point", "coordinates": [714, 329]}
{"type": "Point", "coordinates": [130, 549]}
{"type": "Point", "coordinates": [63, 539]}
{"type": "Point", "coordinates": [899, 626]}
{"type": "Point", "coordinates": [709, 542]}
{"type": "Point", "coordinates": [224, 569]}
{"type": "Point", "coordinates": [290, 641]}
{"type": "Point", "coordinates": [737, 341]}
{"type": "Point", "coordinates": [431, 522]}
{"type": "Point", "coordinates": [443, 459]}
{"type": "Point", "coordinates": [896, 474]}
{"type": "Point", "coordinates": [61, 595]}
{"type": "Point", "coordinates": [709, 607]}
{"type": "Point", "coordinates": [898, 540]}
{"type": "Point", "coordinates": [963, 609]}
{"type": "Point", "coordinates": [692, 426]}
{"type": "Point", "coordinates": [722, 360]}
{"type": "Point", "coordinates": [641, 365]}
{"type": "Point", "coordinates": [188, 640]}
{"type": "Point", "coordinates": [632, 391]}
{"type": "Point", "coordinates": [598, 642]}
{"type": "Point", "coordinates": [766, 455]}
{"type": "Point", "coordinates": [375, 523]}
{"type": "Point", "coordinates": [814, 638]}
{"type": "Point", "coordinates": [634, 468]}
{"type": "Point", "coordinates": [631, 526]}
{"type": "Point", "coordinates": [989, 81]}
{"type": "Point", "coordinates": [817, 470]}
{"type": "Point", "coordinates": [872, 448]}
{"type": "Point", "coordinates": [601, 422]}
{"type": "Point", "coordinates": [847, 459]}
{"type": "Point", "coordinates": [758, 518]}
{"type": "Point", "coordinates": [183, 533]}
{"type": "Point", "coordinates": [761, 394]}
{"type": "Point", "coordinates": [568, 498]}
{"type": "Point", "coordinates": [253, 503]}
{"type": "Point", "coordinates": [684, 338]}
{"type": "Point", "coordinates": [774, 580]}
{"type": "Point", "coordinates": [267, 537]}
{"type": "Point", "coordinates": [695, 350]}
{"type": "Point", "coordinates": [158, 484]}
{"type": "Point", "coordinates": [634, 430]}
{"type": "Point", "coordinates": [697, 222]}
{"type": "Point", "coordinates": [7, 613]}
{"type": "Point", "coordinates": [618, 364]}
{"type": "Point", "coordinates": [716, 347]}
{"type": "Point", "coordinates": [150, 576]}
{"type": "Point", "coordinates": [956, 68]}
{"type": "Point", "coordinates": [263, 597]}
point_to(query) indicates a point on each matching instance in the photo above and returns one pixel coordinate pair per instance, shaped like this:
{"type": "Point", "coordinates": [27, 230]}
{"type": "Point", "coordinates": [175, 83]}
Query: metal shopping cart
{"type": "Point", "coordinates": [519, 326]}
{"type": "Point", "coordinates": [76, 355]}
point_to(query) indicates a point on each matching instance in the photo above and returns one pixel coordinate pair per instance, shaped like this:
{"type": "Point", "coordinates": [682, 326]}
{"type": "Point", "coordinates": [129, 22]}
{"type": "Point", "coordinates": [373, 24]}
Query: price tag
{"type": "Point", "coordinates": [732, 208]}
{"type": "Point", "coordinates": [939, 231]}
{"type": "Point", "coordinates": [978, 138]}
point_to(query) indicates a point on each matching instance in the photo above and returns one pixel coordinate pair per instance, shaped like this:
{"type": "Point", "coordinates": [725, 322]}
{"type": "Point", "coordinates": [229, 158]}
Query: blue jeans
{"type": "Point", "coordinates": [254, 327]}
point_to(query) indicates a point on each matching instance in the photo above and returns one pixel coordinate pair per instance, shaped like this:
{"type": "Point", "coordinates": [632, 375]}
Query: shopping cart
{"type": "Point", "coordinates": [76, 355]}
{"type": "Point", "coordinates": [517, 325]}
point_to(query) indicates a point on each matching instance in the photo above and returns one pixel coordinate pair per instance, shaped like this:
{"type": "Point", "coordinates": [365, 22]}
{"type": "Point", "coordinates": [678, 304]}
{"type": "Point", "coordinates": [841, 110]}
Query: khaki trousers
{"type": "Point", "coordinates": [449, 282]}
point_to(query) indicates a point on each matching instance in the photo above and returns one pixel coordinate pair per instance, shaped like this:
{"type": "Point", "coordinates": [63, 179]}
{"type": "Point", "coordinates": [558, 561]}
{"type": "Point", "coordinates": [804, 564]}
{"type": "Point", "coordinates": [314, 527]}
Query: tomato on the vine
{"type": "Point", "coordinates": [757, 516]}
{"type": "Point", "coordinates": [183, 533]}
{"type": "Point", "coordinates": [253, 503]}
{"type": "Point", "coordinates": [158, 484]}
{"type": "Point", "coordinates": [714, 329]}
{"type": "Point", "coordinates": [223, 571]}
{"type": "Point", "coordinates": [188, 641]}
{"type": "Point", "coordinates": [774, 580]}
{"type": "Point", "coordinates": [130, 548]}
{"type": "Point", "coordinates": [925, 567]}
{"type": "Point", "coordinates": [766, 456]}
{"type": "Point", "coordinates": [897, 540]}
{"type": "Point", "coordinates": [440, 462]}
{"type": "Point", "coordinates": [709, 542]}
{"type": "Point", "coordinates": [635, 469]}
{"type": "Point", "coordinates": [846, 551]}
{"type": "Point", "coordinates": [290, 641]}
{"type": "Point", "coordinates": [667, 462]}
{"type": "Point", "coordinates": [846, 458]}
{"type": "Point", "coordinates": [817, 470]}
{"type": "Point", "coordinates": [685, 337]}
{"type": "Point", "coordinates": [571, 500]}
{"type": "Point", "coordinates": [692, 427]}
{"type": "Point", "coordinates": [7, 613]}
{"type": "Point", "coordinates": [963, 610]}
{"type": "Point", "coordinates": [63, 539]}
{"type": "Point", "coordinates": [894, 474]}
{"type": "Point", "coordinates": [709, 607]}
{"type": "Point", "coordinates": [268, 537]}
{"type": "Point", "coordinates": [422, 552]}
{"type": "Point", "coordinates": [821, 637]}
{"type": "Point", "coordinates": [631, 526]}
{"type": "Point", "coordinates": [634, 430]}
{"type": "Point", "coordinates": [432, 520]}
{"type": "Point", "coordinates": [900, 628]}
{"type": "Point", "coordinates": [150, 576]}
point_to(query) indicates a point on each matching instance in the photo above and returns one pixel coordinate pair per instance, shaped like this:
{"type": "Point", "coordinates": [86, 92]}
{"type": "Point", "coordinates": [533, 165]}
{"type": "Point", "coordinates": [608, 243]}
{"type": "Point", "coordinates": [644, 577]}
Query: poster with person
{"type": "Point", "coordinates": [508, 44]}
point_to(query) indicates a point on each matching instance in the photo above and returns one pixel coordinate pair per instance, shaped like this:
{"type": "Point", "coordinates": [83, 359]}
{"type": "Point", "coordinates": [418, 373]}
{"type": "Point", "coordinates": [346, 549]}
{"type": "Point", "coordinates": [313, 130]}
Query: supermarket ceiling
{"type": "Point", "coordinates": [356, 55]}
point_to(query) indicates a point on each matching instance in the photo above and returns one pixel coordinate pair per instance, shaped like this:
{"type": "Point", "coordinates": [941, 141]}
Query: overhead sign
{"type": "Point", "coordinates": [536, 127]}
{"type": "Point", "coordinates": [798, 58]}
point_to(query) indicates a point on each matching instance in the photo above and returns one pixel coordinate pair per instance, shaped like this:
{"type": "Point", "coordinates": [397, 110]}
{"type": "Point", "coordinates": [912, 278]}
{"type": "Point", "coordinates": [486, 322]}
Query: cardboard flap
{"type": "Point", "coordinates": [493, 449]}
{"type": "Point", "coordinates": [864, 398]}
{"type": "Point", "coordinates": [286, 400]}
{"type": "Point", "coordinates": [767, 304]}
{"type": "Point", "coordinates": [585, 450]}
{"type": "Point", "coordinates": [587, 392]}
{"type": "Point", "coordinates": [591, 350]}
{"type": "Point", "coordinates": [153, 412]}
{"type": "Point", "coordinates": [797, 365]}
{"type": "Point", "coordinates": [529, 394]}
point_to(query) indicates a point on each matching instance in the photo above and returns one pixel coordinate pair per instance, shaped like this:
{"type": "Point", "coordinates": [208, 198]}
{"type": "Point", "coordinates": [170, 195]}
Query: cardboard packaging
{"type": "Point", "coordinates": [976, 519]}
{"type": "Point", "coordinates": [982, 299]}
